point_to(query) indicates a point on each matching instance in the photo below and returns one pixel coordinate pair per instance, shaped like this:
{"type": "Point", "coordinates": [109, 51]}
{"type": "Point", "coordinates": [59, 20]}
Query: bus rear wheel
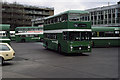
{"type": "Point", "coordinates": [23, 40]}
{"type": "Point", "coordinates": [46, 46]}
{"type": "Point", "coordinates": [59, 49]}
{"type": "Point", "coordinates": [92, 44]}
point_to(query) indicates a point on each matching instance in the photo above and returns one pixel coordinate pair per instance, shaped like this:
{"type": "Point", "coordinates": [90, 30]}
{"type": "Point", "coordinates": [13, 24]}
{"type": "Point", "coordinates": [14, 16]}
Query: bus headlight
{"type": "Point", "coordinates": [75, 25]}
{"type": "Point", "coordinates": [71, 48]}
{"type": "Point", "coordinates": [88, 46]}
{"type": "Point", "coordinates": [79, 48]}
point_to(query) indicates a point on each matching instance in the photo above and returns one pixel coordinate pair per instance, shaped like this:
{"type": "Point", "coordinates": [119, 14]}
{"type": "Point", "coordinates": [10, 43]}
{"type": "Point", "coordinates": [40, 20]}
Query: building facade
{"type": "Point", "coordinates": [38, 22]}
{"type": "Point", "coordinates": [106, 16]}
{"type": "Point", "coordinates": [21, 15]}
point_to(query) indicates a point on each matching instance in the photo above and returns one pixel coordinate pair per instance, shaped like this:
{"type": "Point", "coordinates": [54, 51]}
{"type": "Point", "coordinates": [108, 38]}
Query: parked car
{"type": "Point", "coordinates": [6, 53]}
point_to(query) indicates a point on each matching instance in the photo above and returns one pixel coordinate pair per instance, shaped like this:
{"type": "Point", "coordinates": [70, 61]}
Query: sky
{"type": "Point", "coordinates": [64, 5]}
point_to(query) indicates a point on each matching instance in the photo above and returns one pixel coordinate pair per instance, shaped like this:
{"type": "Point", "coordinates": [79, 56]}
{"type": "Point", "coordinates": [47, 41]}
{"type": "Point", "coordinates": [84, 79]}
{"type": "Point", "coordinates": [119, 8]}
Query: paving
{"type": "Point", "coordinates": [34, 61]}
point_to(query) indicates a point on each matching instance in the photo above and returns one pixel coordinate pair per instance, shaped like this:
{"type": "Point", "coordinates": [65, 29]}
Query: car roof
{"type": "Point", "coordinates": [4, 43]}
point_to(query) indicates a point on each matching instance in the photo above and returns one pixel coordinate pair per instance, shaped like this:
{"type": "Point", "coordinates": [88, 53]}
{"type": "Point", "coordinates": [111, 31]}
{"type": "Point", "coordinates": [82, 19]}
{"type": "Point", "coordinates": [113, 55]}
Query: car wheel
{"type": "Point", "coordinates": [1, 61]}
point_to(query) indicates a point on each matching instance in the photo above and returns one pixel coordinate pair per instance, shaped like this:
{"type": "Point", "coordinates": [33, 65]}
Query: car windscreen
{"type": "Point", "coordinates": [4, 47]}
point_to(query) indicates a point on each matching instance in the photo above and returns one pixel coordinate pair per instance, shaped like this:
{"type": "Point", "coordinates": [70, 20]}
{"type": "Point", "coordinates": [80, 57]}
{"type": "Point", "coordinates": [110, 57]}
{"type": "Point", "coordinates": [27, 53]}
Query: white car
{"type": "Point", "coordinates": [6, 52]}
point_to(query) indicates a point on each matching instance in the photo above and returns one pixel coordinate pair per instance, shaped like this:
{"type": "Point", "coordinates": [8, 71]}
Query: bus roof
{"type": "Point", "coordinates": [69, 11]}
{"type": "Point", "coordinates": [4, 27]}
{"type": "Point", "coordinates": [105, 28]}
{"type": "Point", "coordinates": [26, 33]}
{"type": "Point", "coordinates": [28, 27]}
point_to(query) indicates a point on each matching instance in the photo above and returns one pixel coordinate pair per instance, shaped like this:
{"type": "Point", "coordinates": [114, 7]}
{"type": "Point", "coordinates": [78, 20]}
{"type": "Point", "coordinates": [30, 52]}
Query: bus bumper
{"type": "Point", "coordinates": [79, 49]}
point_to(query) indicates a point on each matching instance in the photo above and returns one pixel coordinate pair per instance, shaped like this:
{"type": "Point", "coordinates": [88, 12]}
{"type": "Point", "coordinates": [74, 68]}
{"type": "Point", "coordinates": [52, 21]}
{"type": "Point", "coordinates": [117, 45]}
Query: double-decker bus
{"type": "Point", "coordinates": [28, 34]}
{"type": "Point", "coordinates": [105, 36]}
{"type": "Point", "coordinates": [68, 32]}
{"type": "Point", "coordinates": [5, 33]}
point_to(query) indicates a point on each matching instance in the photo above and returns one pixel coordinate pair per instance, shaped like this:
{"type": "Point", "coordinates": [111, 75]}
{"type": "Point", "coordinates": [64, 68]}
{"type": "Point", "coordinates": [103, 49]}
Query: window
{"type": "Point", "coordinates": [94, 34]}
{"type": "Point", "coordinates": [101, 34]}
{"type": "Point", "coordinates": [48, 21]}
{"type": "Point", "coordinates": [45, 21]}
{"type": "Point", "coordinates": [64, 17]}
{"type": "Point", "coordinates": [45, 35]}
{"type": "Point", "coordinates": [3, 35]}
{"type": "Point", "coordinates": [78, 17]}
{"type": "Point", "coordinates": [51, 36]}
{"type": "Point", "coordinates": [79, 36]}
{"type": "Point", "coordinates": [85, 36]}
{"type": "Point", "coordinates": [74, 36]}
{"type": "Point", "coordinates": [74, 17]}
{"type": "Point", "coordinates": [55, 20]}
{"type": "Point", "coordinates": [80, 25]}
{"type": "Point", "coordinates": [64, 35]}
{"type": "Point", "coordinates": [23, 36]}
{"type": "Point", "coordinates": [52, 21]}
{"type": "Point", "coordinates": [109, 34]}
{"type": "Point", "coordinates": [4, 47]}
{"type": "Point", "coordinates": [36, 35]}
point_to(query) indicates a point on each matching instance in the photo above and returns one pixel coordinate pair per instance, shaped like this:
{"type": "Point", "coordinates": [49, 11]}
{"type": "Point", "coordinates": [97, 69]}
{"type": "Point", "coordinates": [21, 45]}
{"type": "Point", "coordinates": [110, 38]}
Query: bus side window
{"type": "Point", "coordinates": [48, 21]}
{"type": "Point", "coordinates": [60, 19]}
{"type": "Point", "coordinates": [48, 36]}
{"type": "Point", "coordinates": [54, 36]}
{"type": "Point", "coordinates": [23, 36]}
{"type": "Point", "coordinates": [97, 34]}
{"type": "Point", "coordinates": [64, 17]}
{"type": "Point", "coordinates": [45, 35]}
{"type": "Point", "coordinates": [109, 34]}
{"type": "Point", "coordinates": [64, 35]}
{"type": "Point", "coordinates": [7, 33]}
{"type": "Point", "coordinates": [4, 34]}
{"type": "Point", "coordinates": [101, 34]}
{"type": "Point", "coordinates": [36, 35]}
{"type": "Point", "coordinates": [94, 34]}
{"type": "Point", "coordinates": [45, 22]}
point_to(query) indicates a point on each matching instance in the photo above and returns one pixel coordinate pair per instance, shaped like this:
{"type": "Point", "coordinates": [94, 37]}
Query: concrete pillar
{"type": "Point", "coordinates": [90, 16]}
{"type": "Point", "coordinates": [115, 16]}
{"type": "Point", "coordinates": [103, 17]}
{"type": "Point", "coordinates": [93, 20]}
{"type": "Point", "coordinates": [111, 17]}
{"type": "Point", "coordinates": [97, 18]}
{"type": "Point", "coordinates": [32, 23]}
{"type": "Point", "coordinates": [87, 18]}
{"type": "Point", "coordinates": [107, 17]}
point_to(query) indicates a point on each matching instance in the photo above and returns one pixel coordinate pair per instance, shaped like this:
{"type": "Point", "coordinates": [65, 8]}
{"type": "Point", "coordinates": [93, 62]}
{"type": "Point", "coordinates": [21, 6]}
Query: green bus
{"type": "Point", "coordinates": [105, 36]}
{"type": "Point", "coordinates": [5, 33]}
{"type": "Point", "coordinates": [28, 34]}
{"type": "Point", "coordinates": [68, 32]}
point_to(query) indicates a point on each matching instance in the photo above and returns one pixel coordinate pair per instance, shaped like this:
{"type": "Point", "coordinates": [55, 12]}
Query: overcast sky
{"type": "Point", "coordinates": [63, 5]}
